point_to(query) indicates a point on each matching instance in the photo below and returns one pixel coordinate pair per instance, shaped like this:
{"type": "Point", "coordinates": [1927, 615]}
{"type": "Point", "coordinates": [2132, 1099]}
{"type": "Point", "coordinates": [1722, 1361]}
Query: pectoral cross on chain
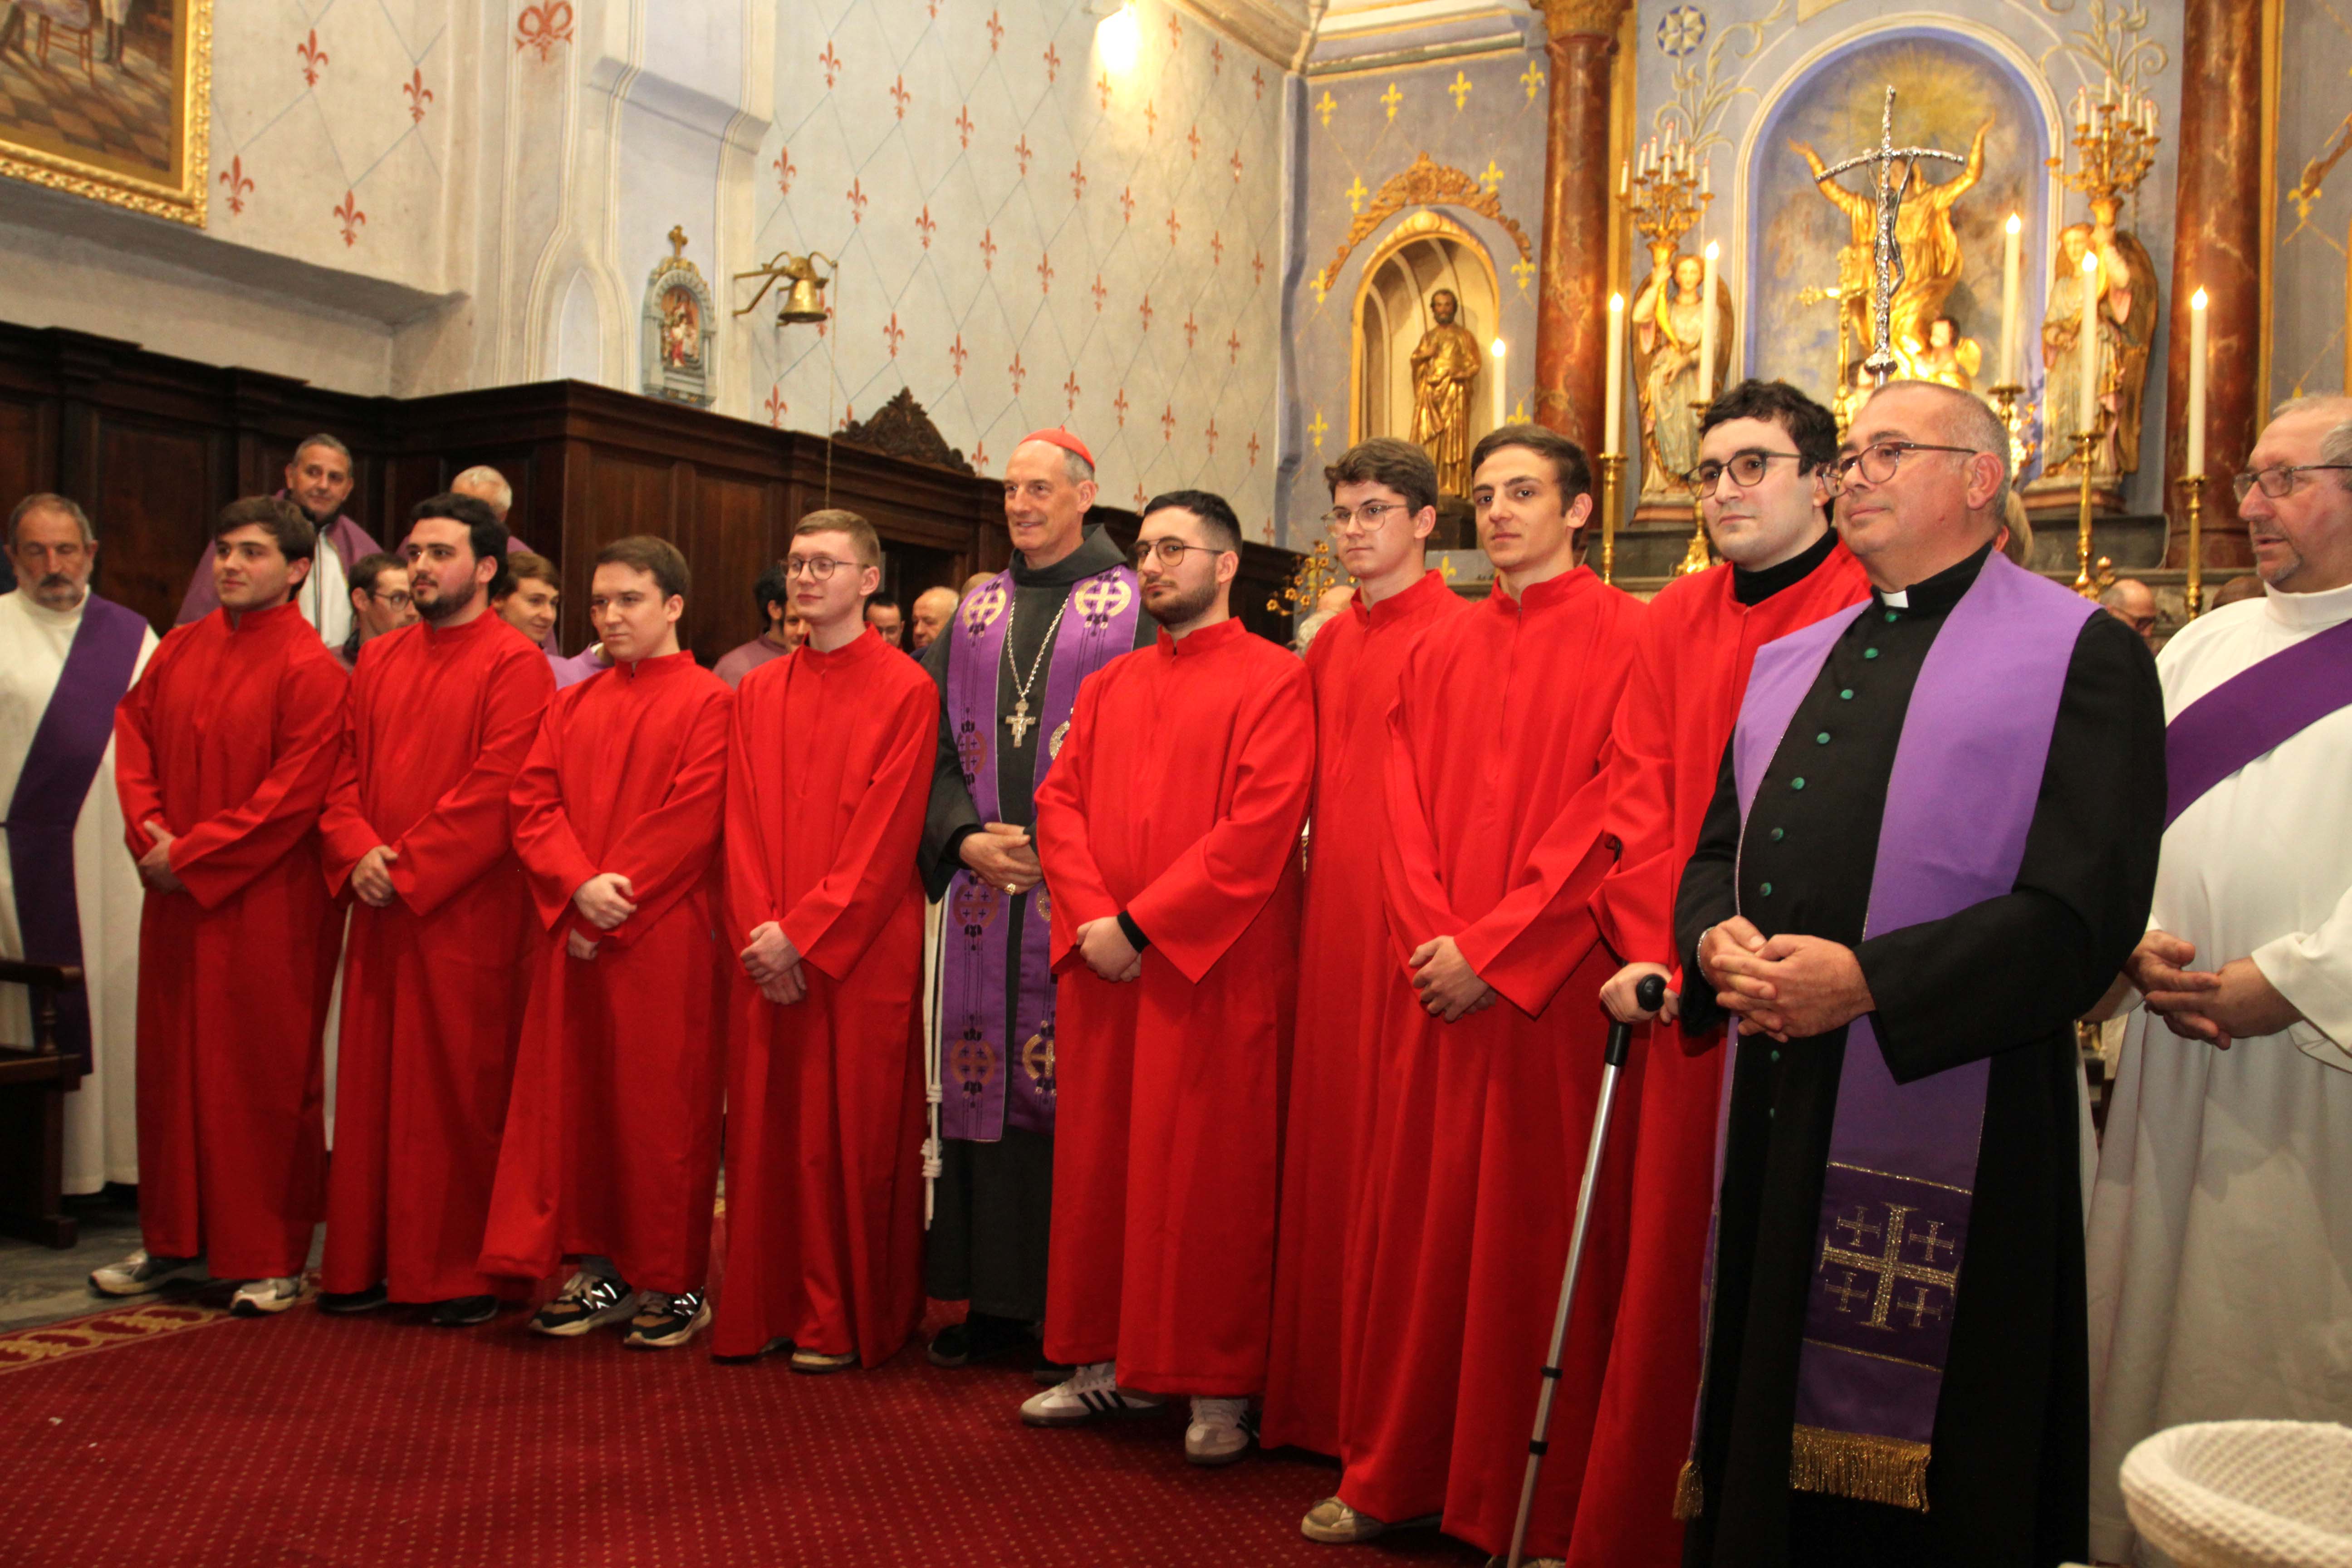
{"type": "Point", "coordinates": [1020, 723]}
{"type": "Point", "coordinates": [1886, 256]}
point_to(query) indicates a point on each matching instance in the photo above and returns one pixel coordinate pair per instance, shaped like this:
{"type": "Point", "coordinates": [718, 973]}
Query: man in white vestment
{"type": "Point", "coordinates": [52, 610]}
{"type": "Point", "coordinates": [2221, 1222]}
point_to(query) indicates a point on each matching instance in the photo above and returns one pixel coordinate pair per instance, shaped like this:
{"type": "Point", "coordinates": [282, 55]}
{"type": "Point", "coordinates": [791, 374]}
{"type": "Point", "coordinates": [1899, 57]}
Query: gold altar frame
{"type": "Point", "coordinates": [182, 200]}
{"type": "Point", "coordinates": [1425, 223]}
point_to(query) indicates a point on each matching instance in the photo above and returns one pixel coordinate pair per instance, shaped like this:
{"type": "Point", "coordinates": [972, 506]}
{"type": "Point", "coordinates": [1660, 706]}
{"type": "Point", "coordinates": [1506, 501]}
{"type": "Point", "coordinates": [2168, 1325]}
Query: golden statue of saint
{"type": "Point", "coordinates": [1444, 364]}
{"type": "Point", "coordinates": [1931, 251]}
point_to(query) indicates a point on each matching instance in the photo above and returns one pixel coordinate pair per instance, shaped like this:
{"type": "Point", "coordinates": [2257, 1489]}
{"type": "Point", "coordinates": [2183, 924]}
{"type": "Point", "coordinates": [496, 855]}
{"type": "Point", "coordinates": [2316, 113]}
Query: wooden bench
{"type": "Point", "coordinates": [33, 1088]}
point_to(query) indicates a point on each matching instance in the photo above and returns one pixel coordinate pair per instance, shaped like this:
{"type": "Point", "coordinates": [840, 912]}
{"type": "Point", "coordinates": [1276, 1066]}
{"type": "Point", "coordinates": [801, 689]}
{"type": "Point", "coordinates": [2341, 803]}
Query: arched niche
{"type": "Point", "coordinates": [1425, 253]}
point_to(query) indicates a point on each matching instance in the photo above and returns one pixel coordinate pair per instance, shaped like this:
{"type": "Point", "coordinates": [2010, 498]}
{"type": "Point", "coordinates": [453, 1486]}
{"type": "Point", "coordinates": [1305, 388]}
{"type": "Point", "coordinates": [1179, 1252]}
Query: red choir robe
{"type": "Point", "coordinates": [434, 983]}
{"type": "Point", "coordinates": [829, 773]}
{"type": "Point", "coordinates": [611, 1133]}
{"type": "Point", "coordinates": [1690, 671]}
{"type": "Point", "coordinates": [1345, 969]}
{"type": "Point", "coordinates": [1494, 836]}
{"type": "Point", "coordinates": [1177, 798]}
{"type": "Point", "coordinates": [229, 740]}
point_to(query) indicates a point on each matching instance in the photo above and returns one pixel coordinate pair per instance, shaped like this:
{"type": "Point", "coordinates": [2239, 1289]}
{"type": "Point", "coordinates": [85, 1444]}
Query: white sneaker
{"type": "Point", "coordinates": [1220, 1432]}
{"type": "Point", "coordinates": [1090, 1394]}
{"type": "Point", "coordinates": [140, 1275]}
{"type": "Point", "coordinates": [256, 1296]}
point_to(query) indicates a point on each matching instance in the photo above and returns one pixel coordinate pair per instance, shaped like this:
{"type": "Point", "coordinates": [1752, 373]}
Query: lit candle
{"type": "Point", "coordinates": [2012, 272]}
{"type": "Point", "coordinates": [2087, 336]}
{"type": "Point", "coordinates": [1706, 328]}
{"type": "Point", "coordinates": [1702, 179]}
{"type": "Point", "coordinates": [1624, 177]}
{"type": "Point", "coordinates": [1497, 385]}
{"type": "Point", "coordinates": [1612, 400]}
{"type": "Point", "coordinates": [2082, 109]}
{"type": "Point", "coordinates": [2196, 464]}
{"type": "Point", "coordinates": [2108, 91]}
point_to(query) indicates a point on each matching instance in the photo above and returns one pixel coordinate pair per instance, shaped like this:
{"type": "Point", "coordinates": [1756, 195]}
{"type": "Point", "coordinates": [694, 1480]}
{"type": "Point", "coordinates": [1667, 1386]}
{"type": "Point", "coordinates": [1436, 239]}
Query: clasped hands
{"type": "Point", "coordinates": [2236, 1002]}
{"type": "Point", "coordinates": [1449, 987]}
{"type": "Point", "coordinates": [1785, 987]}
{"type": "Point", "coordinates": [1103, 944]}
{"type": "Point", "coordinates": [155, 866]}
{"type": "Point", "coordinates": [774, 964]}
{"type": "Point", "coordinates": [1003, 857]}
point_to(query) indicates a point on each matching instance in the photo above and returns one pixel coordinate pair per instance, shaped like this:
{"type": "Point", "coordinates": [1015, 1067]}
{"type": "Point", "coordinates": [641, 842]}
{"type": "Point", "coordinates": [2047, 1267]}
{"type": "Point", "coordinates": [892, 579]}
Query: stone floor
{"type": "Point", "coordinates": [42, 1285]}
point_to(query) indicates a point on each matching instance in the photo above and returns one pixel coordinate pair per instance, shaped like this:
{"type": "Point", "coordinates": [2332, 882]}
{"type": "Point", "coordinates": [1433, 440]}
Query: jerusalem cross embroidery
{"type": "Point", "coordinates": [1897, 1255]}
{"type": "Point", "coordinates": [1101, 599]}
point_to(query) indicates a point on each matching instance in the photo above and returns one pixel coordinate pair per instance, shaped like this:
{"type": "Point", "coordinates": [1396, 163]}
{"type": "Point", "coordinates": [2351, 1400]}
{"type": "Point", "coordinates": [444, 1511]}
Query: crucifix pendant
{"type": "Point", "coordinates": [1019, 722]}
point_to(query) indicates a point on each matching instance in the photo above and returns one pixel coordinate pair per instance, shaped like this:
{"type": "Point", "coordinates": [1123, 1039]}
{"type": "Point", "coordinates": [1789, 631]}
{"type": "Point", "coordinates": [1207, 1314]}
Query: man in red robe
{"type": "Point", "coordinates": [438, 963]}
{"type": "Point", "coordinates": [1764, 448]}
{"type": "Point", "coordinates": [222, 755]}
{"type": "Point", "coordinates": [611, 1152]}
{"type": "Point", "coordinates": [829, 775]}
{"type": "Point", "coordinates": [1492, 1057]}
{"type": "Point", "coordinates": [1168, 832]}
{"type": "Point", "coordinates": [1384, 504]}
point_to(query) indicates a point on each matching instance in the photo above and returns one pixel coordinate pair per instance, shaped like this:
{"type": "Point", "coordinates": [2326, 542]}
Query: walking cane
{"type": "Point", "coordinates": [1651, 995]}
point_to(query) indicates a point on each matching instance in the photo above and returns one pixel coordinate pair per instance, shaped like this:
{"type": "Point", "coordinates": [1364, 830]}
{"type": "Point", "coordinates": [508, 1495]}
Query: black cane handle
{"type": "Point", "coordinates": [1651, 993]}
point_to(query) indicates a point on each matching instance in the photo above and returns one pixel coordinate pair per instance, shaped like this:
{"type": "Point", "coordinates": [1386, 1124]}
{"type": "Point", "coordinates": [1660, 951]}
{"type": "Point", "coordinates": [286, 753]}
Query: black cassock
{"type": "Point", "coordinates": [2004, 979]}
{"type": "Point", "coordinates": [994, 1202]}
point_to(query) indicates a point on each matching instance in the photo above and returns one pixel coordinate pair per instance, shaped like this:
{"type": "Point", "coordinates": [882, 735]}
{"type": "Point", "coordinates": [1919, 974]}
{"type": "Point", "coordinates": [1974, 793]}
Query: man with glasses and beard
{"type": "Point", "coordinates": [1008, 669]}
{"type": "Point", "coordinates": [380, 604]}
{"type": "Point", "coordinates": [438, 967]}
{"type": "Point", "coordinates": [1384, 504]}
{"type": "Point", "coordinates": [318, 480]}
{"type": "Point", "coordinates": [1169, 835]}
{"type": "Point", "coordinates": [1931, 845]}
{"type": "Point", "coordinates": [1764, 455]}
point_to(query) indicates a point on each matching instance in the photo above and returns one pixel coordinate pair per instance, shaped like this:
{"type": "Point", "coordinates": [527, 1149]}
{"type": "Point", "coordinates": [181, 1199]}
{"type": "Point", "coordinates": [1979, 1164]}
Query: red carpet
{"type": "Point", "coordinates": [194, 1438]}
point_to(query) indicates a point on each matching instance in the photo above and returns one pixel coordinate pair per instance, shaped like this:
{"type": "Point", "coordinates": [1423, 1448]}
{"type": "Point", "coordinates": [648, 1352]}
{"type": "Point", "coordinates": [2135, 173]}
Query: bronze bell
{"type": "Point", "coordinates": [804, 300]}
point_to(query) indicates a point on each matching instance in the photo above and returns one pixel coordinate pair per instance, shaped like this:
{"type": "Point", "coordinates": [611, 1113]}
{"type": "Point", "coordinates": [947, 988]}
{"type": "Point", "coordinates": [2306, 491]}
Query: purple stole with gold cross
{"type": "Point", "coordinates": [988, 1081]}
{"type": "Point", "coordinates": [1892, 1237]}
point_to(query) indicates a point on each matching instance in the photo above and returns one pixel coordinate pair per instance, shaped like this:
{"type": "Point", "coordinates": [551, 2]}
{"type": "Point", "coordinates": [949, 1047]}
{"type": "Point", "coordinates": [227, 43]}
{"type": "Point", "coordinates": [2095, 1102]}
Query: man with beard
{"type": "Point", "coordinates": [380, 604]}
{"type": "Point", "coordinates": [934, 608]}
{"type": "Point", "coordinates": [318, 480]}
{"type": "Point", "coordinates": [67, 896]}
{"type": "Point", "coordinates": [611, 1152]}
{"type": "Point", "coordinates": [225, 747]}
{"type": "Point", "coordinates": [1383, 506]}
{"type": "Point", "coordinates": [1169, 835]}
{"type": "Point", "coordinates": [1008, 670]}
{"type": "Point", "coordinates": [1764, 454]}
{"type": "Point", "coordinates": [437, 965]}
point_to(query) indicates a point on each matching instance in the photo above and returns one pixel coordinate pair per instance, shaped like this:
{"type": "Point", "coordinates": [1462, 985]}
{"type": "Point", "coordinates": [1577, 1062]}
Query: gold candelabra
{"type": "Point", "coordinates": [2114, 146]}
{"type": "Point", "coordinates": [1315, 572]}
{"type": "Point", "coordinates": [1695, 558]}
{"type": "Point", "coordinates": [1612, 475]}
{"type": "Point", "coordinates": [2017, 416]}
{"type": "Point", "coordinates": [2085, 443]}
{"type": "Point", "coordinates": [2193, 591]}
{"type": "Point", "coordinates": [1663, 191]}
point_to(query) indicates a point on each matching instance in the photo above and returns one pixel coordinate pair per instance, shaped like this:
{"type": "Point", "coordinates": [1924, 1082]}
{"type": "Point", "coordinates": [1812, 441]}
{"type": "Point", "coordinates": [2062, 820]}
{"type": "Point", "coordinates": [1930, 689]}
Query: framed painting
{"type": "Point", "coordinates": [109, 99]}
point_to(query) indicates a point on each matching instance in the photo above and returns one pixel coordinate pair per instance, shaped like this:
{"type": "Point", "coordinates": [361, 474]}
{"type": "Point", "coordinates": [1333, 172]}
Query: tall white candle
{"type": "Point", "coordinates": [2196, 464]}
{"type": "Point", "coordinates": [2087, 341]}
{"type": "Point", "coordinates": [1612, 402]}
{"type": "Point", "coordinates": [1706, 328]}
{"type": "Point", "coordinates": [2012, 252]}
{"type": "Point", "coordinates": [1496, 384]}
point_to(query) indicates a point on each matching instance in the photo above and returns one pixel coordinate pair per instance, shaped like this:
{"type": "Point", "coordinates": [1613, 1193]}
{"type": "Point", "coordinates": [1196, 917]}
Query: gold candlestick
{"type": "Point", "coordinates": [1612, 475]}
{"type": "Point", "coordinates": [2194, 591]}
{"type": "Point", "coordinates": [1695, 559]}
{"type": "Point", "coordinates": [2085, 445]}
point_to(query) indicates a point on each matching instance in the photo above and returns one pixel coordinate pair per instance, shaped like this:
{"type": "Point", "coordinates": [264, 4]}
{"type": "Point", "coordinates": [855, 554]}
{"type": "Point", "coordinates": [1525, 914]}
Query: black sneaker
{"type": "Point", "coordinates": [464, 1311]}
{"type": "Point", "coordinates": [344, 1303]}
{"type": "Point", "coordinates": [587, 1302]}
{"type": "Point", "coordinates": [665, 1321]}
{"type": "Point", "coordinates": [979, 1337]}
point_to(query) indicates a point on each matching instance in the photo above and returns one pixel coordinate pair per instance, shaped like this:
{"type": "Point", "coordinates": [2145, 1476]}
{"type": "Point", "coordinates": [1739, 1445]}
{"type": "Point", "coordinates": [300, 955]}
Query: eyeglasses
{"type": "Point", "coordinates": [1366, 519]}
{"type": "Point", "coordinates": [397, 601]}
{"type": "Point", "coordinates": [2278, 480]}
{"type": "Point", "coordinates": [1744, 468]}
{"type": "Point", "coordinates": [1169, 551]}
{"type": "Point", "coordinates": [1878, 462]}
{"type": "Point", "coordinates": [816, 568]}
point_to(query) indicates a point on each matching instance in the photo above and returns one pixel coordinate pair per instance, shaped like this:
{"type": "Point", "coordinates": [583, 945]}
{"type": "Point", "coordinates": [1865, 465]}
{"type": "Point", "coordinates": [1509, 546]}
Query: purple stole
{"type": "Point", "coordinates": [67, 745]}
{"type": "Point", "coordinates": [2252, 712]}
{"type": "Point", "coordinates": [990, 1082]}
{"type": "Point", "coordinates": [1892, 1236]}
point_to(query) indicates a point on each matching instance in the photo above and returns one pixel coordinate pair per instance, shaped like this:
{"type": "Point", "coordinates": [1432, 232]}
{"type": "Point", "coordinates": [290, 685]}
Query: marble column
{"type": "Point", "coordinates": [2216, 246]}
{"type": "Point", "coordinates": [1571, 315]}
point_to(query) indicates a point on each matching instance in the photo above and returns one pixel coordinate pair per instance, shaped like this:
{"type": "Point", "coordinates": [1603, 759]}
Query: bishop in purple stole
{"type": "Point", "coordinates": [1963, 784]}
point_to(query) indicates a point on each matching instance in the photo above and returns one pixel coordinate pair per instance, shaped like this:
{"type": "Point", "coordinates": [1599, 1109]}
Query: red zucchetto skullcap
{"type": "Point", "coordinates": [1057, 437]}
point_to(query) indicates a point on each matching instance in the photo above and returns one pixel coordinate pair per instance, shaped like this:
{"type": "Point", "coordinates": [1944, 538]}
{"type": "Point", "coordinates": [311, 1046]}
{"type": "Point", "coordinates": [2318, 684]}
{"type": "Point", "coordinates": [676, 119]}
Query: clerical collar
{"type": "Point", "coordinates": [1752, 588]}
{"type": "Point", "coordinates": [856, 648]}
{"type": "Point", "coordinates": [243, 621]}
{"type": "Point", "coordinates": [1208, 640]}
{"type": "Point", "coordinates": [1936, 595]}
{"type": "Point", "coordinates": [1097, 552]}
{"type": "Point", "coordinates": [1429, 585]}
{"type": "Point", "coordinates": [2308, 611]}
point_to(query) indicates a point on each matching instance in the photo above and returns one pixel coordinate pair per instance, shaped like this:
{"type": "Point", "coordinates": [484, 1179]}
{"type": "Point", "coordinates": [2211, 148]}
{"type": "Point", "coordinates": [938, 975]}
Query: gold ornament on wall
{"type": "Point", "coordinates": [1426, 184]}
{"type": "Point", "coordinates": [84, 74]}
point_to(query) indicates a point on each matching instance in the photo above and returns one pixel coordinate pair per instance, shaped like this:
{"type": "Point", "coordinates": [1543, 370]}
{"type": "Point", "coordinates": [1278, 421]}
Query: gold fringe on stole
{"type": "Point", "coordinates": [1690, 1496]}
{"type": "Point", "coordinates": [1858, 1465]}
